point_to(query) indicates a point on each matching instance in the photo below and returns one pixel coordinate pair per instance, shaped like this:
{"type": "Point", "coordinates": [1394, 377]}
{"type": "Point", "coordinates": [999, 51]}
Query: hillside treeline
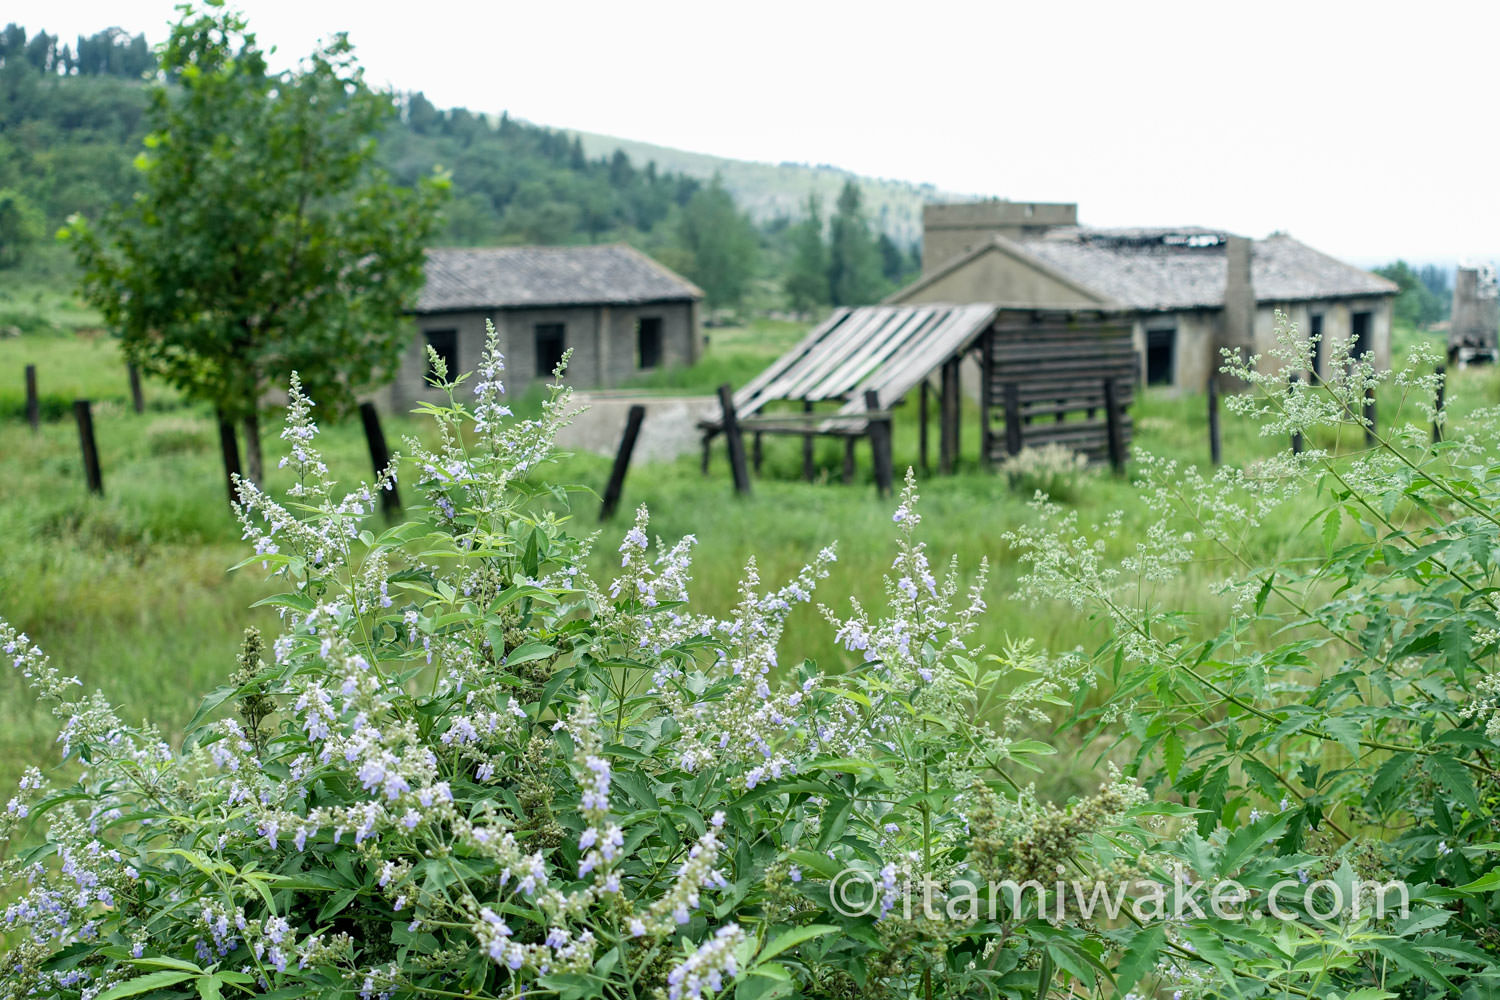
{"type": "Point", "coordinates": [73, 117]}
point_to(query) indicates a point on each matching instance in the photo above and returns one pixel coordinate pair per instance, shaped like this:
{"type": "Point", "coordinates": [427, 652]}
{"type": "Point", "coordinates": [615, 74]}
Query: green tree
{"type": "Point", "coordinates": [264, 239]}
{"type": "Point", "coordinates": [1416, 304]}
{"type": "Point", "coordinates": [854, 262]}
{"type": "Point", "coordinates": [807, 275]}
{"type": "Point", "coordinates": [721, 244]}
{"type": "Point", "coordinates": [20, 226]}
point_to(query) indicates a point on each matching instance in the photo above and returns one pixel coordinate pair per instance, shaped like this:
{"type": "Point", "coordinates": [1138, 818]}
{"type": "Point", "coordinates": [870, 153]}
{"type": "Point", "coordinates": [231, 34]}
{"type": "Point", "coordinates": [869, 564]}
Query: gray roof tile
{"type": "Point", "coordinates": [510, 277]}
{"type": "Point", "coordinates": [1184, 268]}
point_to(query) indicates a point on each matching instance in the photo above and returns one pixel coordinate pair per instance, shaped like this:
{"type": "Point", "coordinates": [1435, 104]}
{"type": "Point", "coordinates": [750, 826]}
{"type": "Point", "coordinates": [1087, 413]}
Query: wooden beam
{"type": "Point", "coordinates": [136, 398]}
{"type": "Point", "coordinates": [1215, 451]}
{"type": "Point", "coordinates": [1291, 390]}
{"type": "Point", "coordinates": [380, 457]}
{"type": "Point", "coordinates": [1114, 431]}
{"type": "Point", "coordinates": [33, 408]}
{"type": "Point", "coordinates": [735, 442]}
{"type": "Point", "coordinates": [880, 445]}
{"type": "Point", "coordinates": [986, 391]}
{"type": "Point", "coordinates": [1442, 384]}
{"type": "Point", "coordinates": [86, 444]}
{"type": "Point", "coordinates": [616, 484]}
{"type": "Point", "coordinates": [229, 449]}
{"type": "Point", "coordinates": [809, 473]}
{"type": "Point", "coordinates": [948, 420]}
{"type": "Point", "coordinates": [922, 458]}
{"type": "Point", "coordinates": [1013, 441]}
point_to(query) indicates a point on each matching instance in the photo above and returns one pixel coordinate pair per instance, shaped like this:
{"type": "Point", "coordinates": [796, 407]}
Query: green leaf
{"type": "Point", "coordinates": [208, 988]}
{"type": "Point", "coordinates": [1455, 777]}
{"type": "Point", "coordinates": [528, 651]}
{"type": "Point", "coordinates": [792, 938]}
{"type": "Point", "coordinates": [1139, 958]}
{"type": "Point", "coordinates": [144, 984]}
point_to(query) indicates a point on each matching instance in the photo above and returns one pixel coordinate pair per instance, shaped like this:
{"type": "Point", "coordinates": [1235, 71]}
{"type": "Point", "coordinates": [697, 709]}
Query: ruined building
{"type": "Point", "coordinates": [1193, 291]}
{"type": "Point", "coordinates": [1474, 334]}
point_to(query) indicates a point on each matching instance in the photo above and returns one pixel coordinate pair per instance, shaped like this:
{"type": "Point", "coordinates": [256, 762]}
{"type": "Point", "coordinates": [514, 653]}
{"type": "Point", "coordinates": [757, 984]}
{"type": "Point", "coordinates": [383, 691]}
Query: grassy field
{"type": "Point", "coordinates": [129, 590]}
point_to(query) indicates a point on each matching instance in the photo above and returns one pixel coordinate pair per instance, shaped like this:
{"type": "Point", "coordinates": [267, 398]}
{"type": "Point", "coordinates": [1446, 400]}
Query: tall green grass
{"type": "Point", "coordinates": [129, 590]}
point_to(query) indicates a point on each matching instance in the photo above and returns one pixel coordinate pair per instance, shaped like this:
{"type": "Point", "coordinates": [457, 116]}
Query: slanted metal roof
{"type": "Point", "coordinates": [886, 348]}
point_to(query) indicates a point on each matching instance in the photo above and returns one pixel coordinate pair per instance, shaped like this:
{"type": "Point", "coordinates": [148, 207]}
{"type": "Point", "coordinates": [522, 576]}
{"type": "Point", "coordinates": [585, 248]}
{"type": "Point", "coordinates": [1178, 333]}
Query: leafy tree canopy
{"type": "Point", "coordinates": [265, 238]}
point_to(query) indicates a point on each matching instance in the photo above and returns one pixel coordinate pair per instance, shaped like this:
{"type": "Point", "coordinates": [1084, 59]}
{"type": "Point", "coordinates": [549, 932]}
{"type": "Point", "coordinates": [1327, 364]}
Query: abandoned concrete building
{"type": "Point", "coordinates": [1474, 332]}
{"type": "Point", "coordinates": [619, 311]}
{"type": "Point", "coordinates": [1192, 290]}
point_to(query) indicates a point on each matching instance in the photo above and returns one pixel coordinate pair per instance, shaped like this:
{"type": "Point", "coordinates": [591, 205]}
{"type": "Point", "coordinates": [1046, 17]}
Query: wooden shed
{"type": "Point", "coordinates": [1062, 376]}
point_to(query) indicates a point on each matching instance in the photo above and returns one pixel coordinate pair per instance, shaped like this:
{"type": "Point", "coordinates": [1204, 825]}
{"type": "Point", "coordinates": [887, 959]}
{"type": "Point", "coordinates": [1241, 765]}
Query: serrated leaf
{"type": "Point", "coordinates": [792, 938]}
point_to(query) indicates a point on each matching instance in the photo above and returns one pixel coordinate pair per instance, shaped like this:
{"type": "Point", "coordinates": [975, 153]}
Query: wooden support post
{"type": "Point", "coordinates": [390, 500]}
{"type": "Point", "coordinates": [1112, 423]}
{"type": "Point", "coordinates": [137, 399]}
{"type": "Point", "coordinates": [734, 440]}
{"type": "Point", "coordinates": [1013, 443]}
{"type": "Point", "coordinates": [1291, 390]}
{"type": "Point", "coordinates": [229, 448]}
{"type": "Point", "coordinates": [1370, 416]}
{"type": "Point", "coordinates": [33, 408]}
{"type": "Point", "coordinates": [922, 458]}
{"type": "Point", "coordinates": [1442, 386]}
{"type": "Point", "coordinates": [809, 471]}
{"type": "Point", "coordinates": [948, 420]}
{"type": "Point", "coordinates": [848, 460]}
{"type": "Point", "coordinates": [986, 394]}
{"type": "Point", "coordinates": [880, 445]}
{"type": "Point", "coordinates": [707, 442]}
{"type": "Point", "coordinates": [616, 483]}
{"type": "Point", "coordinates": [86, 444]}
{"type": "Point", "coordinates": [1215, 452]}
{"type": "Point", "coordinates": [757, 452]}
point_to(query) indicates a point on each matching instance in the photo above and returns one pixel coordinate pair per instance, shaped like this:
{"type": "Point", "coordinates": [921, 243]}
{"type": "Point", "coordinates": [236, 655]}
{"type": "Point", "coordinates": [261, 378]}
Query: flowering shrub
{"type": "Point", "coordinates": [468, 768]}
{"type": "Point", "coordinates": [1053, 470]}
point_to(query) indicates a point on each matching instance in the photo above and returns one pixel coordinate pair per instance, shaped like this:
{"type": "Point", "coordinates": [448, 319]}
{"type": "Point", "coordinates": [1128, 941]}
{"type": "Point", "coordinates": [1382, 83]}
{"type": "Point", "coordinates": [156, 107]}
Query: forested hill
{"type": "Point", "coordinates": [73, 117]}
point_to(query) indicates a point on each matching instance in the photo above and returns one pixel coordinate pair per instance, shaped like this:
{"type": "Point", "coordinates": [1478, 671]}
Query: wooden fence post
{"type": "Point", "coordinates": [809, 473]}
{"type": "Point", "coordinates": [86, 444]}
{"type": "Point", "coordinates": [1369, 416]}
{"type": "Point", "coordinates": [848, 460]}
{"type": "Point", "coordinates": [880, 445]}
{"type": "Point", "coordinates": [1291, 390]}
{"type": "Point", "coordinates": [390, 500]}
{"type": "Point", "coordinates": [616, 482]}
{"type": "Point", "coordinates": [1442, 385]}
{"type": "Point", "coordinates": [33, 407]}
{"type": "Point", "coordinates": [735, 442]}
{"type": "Point", "coordinates": [1215, 450]}
{"type": "Point", "coordinates": [1013, 443]}
{"type": "Point", "coordinates": [137, 398]}
{"type": "Point", "coordinates": [986, 397]}
{"type": "Point", "coordinates": [922, 459]}
{"type": "Point", "coordinates": [229, 448]}
{"type": "Point", "coordinates": [707, 453]}
{"type": "Point", "coordinates": [1113, 428]}
{"type": "Point", "coordinates": [757, 452]}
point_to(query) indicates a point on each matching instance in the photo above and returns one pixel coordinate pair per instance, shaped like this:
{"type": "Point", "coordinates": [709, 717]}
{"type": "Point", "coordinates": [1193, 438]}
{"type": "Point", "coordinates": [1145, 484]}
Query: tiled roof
{"type": "Point", "coordinates": [1186, 267]}
{"type": "Point", "coordinates": [509, 277]}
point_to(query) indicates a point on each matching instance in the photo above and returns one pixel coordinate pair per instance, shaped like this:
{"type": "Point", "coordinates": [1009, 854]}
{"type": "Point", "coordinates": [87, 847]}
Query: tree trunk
{"type": "Point", "coordinates": [254, 467]}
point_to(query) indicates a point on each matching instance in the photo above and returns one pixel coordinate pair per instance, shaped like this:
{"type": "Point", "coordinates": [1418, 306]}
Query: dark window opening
{"type": "Point", "coordinates": [445, 344]}
{"type": "Point", "coordinates": [1161, 357]}
{"type": "Point", "coordinates": [550, 344]}
{"type": "Point", "coordinates": [648, 342]}
{"type": "Point", "coordinates": [1359, 335]}
{"type": "Point", "coordinates": [1315, 334]}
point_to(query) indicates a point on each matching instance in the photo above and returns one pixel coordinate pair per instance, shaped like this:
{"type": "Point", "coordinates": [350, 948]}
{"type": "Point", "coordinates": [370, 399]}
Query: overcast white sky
{"type": "Point", "coordinates": [1367, 129]}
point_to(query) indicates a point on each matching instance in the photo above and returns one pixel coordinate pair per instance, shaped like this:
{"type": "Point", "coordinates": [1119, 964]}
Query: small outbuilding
{"type": "Point", "coordinates": [620, 312]}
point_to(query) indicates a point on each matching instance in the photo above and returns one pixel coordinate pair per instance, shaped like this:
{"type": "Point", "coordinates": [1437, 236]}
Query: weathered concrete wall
{"type": "Point", "coordinates": [602, 338]}
{"type": "Point", "coordinates": [1476, 311]}
{"type": "Point", "coordinates": [950, 230]}
{"type": "Point", "coordinates": [998, 277]}
{"type": "Point", "coordinates": [1199, 332]}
